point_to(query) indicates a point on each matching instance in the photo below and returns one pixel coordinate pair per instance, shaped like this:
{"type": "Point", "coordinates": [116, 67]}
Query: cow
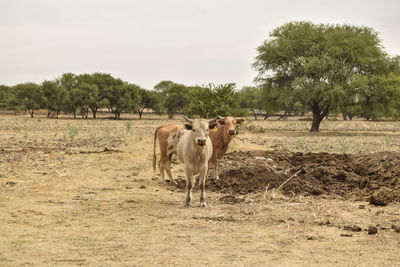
{"type": "Point", "coordinates": [220, 139]}
{"type": "Point", "coordinates": [194, 151]}
{"type": "Point", "coordinates": [168, 138]}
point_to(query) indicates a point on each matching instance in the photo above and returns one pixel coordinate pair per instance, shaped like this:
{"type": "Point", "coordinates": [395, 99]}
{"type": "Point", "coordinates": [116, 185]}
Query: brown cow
{"type": "Point", "coordinates": [221, 138]}
{"type": "Point", "coordinates": [168, 138]}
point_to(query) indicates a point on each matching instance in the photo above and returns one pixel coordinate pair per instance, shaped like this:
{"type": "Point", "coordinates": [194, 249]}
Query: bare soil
{"type": "Point", "coordinates": [93, 200]}
{"type": "Point", "coordinates": [371, 177]}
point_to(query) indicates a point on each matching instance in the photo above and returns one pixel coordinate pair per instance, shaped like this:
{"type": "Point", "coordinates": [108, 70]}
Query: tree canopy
{"type": "Point", "coordinates": [321, 67]}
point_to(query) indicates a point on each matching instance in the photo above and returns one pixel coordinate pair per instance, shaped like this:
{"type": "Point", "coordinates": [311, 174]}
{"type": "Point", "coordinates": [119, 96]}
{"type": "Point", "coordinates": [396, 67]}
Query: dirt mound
{"type": "Point", "coordinates": [370, 177]}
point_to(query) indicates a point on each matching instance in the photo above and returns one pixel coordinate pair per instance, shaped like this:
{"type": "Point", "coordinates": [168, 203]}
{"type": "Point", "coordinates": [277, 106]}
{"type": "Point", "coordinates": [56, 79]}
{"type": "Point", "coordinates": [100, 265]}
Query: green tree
{"type": "Point", "coordinates": [317, 64]}
{"type": "Point", "coordinates": [162, 88]}
{"type": "Point", "coordinates": [124, 97]}
{"type": "Point", "coordinates": [250, 98]}
{"type": "Point", "coordinates": [54, 97]}
{"type": "Point", "coordinates": [89, 96]}
{"type": "Point", "coordinates": [176, 98]}
{"type": "Point", "coordinates": [151, 100]}
{"type": "Point", "coordinates": [4, 97]}
{"type": "Point", "coordinates": [214, 100]}
{"type": "Point", "coordinates": [105, 84]}
{"type": "Point", "coordinates": [70, 84]}
{"type": "Point", "coordinates": [28, 95]}
{"type": "Point", "coordinates": [98, 86]}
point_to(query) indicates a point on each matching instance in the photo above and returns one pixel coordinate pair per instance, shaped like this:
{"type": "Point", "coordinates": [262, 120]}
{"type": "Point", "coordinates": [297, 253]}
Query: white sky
{"type": "Point", "coordinates": [146, 41]}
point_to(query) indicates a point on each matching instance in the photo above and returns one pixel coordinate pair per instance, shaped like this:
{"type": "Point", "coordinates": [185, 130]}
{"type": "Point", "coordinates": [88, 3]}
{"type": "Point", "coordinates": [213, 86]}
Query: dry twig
{"type": "Point", "coordinates": [287, 180]}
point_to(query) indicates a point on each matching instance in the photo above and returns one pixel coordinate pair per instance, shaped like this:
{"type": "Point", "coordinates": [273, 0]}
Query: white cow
{"type": "Point", "coordinates": [194, 151]}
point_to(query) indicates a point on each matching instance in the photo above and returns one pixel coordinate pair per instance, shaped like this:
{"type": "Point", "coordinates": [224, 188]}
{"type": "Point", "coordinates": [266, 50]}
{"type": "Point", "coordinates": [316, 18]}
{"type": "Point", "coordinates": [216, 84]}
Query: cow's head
{"type": "Point", "coordinates": [230, 123]}
{"type": "Point", "coordinates": [199, 128]}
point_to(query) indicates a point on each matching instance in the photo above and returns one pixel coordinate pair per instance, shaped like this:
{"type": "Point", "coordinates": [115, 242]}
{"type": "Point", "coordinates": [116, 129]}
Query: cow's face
{"type": "Point", "coordinates": [230, 123]}
{"type": "Point", "coordinates": [199, 130]}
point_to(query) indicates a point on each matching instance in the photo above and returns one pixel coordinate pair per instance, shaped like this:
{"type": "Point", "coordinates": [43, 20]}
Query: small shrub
{"type": "Point", "coordinates": [344, 145]}
{"type": "Point", "coordinates": [72, 131]}
{"type": "Point", "coordinates": [387, 140]}
{"type": "Point", "coordinates": [300, 143]}
{"type": "Point", "coordinates": [128, 126]}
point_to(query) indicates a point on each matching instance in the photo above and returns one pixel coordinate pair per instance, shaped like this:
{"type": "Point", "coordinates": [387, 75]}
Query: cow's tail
{"type": "Point", "coordinates": [154, 148]}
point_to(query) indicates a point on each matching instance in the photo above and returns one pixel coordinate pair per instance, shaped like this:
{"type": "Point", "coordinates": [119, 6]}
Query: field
{"type": "Point", "coordinates": [83, 192]}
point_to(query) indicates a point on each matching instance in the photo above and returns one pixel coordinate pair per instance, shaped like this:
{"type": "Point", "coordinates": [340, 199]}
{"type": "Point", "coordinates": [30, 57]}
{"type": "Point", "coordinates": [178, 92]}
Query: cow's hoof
{"type": "Point", "coordinates": [203, 205]}
{"type": "Point", "coordinates": [188, 204]}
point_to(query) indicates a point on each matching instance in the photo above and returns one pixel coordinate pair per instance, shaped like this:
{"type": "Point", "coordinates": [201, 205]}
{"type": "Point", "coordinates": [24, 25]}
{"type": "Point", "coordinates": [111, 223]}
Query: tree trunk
{"type": "Point", "coordinates": [117, 114]}
{"type": "Point", "coordinates": [255, 114]}
{"type": "Point", "coordinates": [316, 122]}
{"type": "Point", "coordinates": [319, 113]}
{"type": "Point", "coordinates": [74, 114]}
{"type": "Point", "coordinates": [94, 111]}
{"type": "Point", "coordinates": [31, 112]}
{"type": "Point", "coordinates": [344, 116]}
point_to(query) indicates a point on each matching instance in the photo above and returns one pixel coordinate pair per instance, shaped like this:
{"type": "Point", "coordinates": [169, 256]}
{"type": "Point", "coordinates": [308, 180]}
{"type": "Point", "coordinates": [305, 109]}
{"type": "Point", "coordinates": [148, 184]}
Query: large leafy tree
{"type": "Point", "coordinates": [123, 97]}
{"type": "Point", "coordinates": [89, 96]}
{"type": "Point", "coordinates": [250, 98]}
{"type": "Point", "coordinates": [318, 64]}
{"type": "Point", "coordinates": [96, 89]}
{"type": "Point", "coordinates": [151, 100]}
{"type": "Point", "coordinates": [162, 88]}
{"type": "Point", "coordinates": [176, 98]}
{"type": "Point", "coordinates": [54, 97]}
{"type": "Point", "coordinates": [379, 92]}
{"type": "Point", "coordinates": [73, 94]}
{"type": "Point", "coordinates": [29, 95]}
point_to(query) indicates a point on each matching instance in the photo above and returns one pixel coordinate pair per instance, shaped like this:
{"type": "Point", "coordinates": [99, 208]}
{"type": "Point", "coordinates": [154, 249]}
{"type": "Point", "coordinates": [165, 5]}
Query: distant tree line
{"type": "Point", "coordinates": [85, 94]}
{"type": "Point", "coordinates": [322, 69]}
{"type": "Point", "coordinates": [78, 94]}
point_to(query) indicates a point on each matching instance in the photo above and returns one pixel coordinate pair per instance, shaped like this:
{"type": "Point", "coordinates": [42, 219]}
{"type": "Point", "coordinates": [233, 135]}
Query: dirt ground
{"type": "Point", "coordinates": [76, 192]}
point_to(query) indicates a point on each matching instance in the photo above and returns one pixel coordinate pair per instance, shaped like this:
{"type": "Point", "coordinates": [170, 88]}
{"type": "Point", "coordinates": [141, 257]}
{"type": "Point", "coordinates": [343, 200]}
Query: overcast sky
{"type": "Point", "coordinates": [146, 41]}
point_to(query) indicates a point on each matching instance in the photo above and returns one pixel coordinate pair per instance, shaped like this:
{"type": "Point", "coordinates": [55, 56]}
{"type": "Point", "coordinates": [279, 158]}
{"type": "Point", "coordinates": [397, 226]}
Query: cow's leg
{"type": "Point", "coordinates": [214, 164]}
{"type": "Point", "coordinates": [202, 185]}
{"type": "Point", "coordinates": [161, 166]}
{"type": "Point", "coordinates": [168, 168]}
{"type": "Point", "coordinates": [189, 185]}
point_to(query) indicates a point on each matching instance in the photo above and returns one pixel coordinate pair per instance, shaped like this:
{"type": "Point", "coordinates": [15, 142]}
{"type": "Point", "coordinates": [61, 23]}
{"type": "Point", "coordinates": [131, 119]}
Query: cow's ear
{"type": "Point", "coordinates": [188, 126]}
{"type": "Point", "coordinates": [213, 125]}
{"type": "Point", "coordinates": [239, 121]}
{"type": "Point", "coordinates": [221, 121]}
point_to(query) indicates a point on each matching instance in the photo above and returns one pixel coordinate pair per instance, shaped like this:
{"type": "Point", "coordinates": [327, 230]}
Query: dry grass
{"type": "Point", "coordinates": [66, 201]}
{"type": "Point", "coordinates": [348, 137]}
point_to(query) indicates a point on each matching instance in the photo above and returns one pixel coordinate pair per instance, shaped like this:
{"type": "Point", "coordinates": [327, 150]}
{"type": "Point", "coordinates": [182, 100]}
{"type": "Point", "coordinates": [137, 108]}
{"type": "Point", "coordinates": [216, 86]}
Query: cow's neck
{"type": "Point", "coordinates": [198, 162]}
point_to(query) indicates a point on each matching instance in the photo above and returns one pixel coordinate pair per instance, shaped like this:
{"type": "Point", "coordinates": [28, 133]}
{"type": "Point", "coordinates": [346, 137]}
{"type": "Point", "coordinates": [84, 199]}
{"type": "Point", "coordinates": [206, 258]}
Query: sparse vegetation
{"type": "Point", "coordinates": [63, 185]}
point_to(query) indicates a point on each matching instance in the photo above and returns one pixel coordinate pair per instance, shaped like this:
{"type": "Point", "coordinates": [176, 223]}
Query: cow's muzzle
{"type": "Point", "coordinates": [231, 132]}
{"type": "Point", "coordinates": [201, 142]}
